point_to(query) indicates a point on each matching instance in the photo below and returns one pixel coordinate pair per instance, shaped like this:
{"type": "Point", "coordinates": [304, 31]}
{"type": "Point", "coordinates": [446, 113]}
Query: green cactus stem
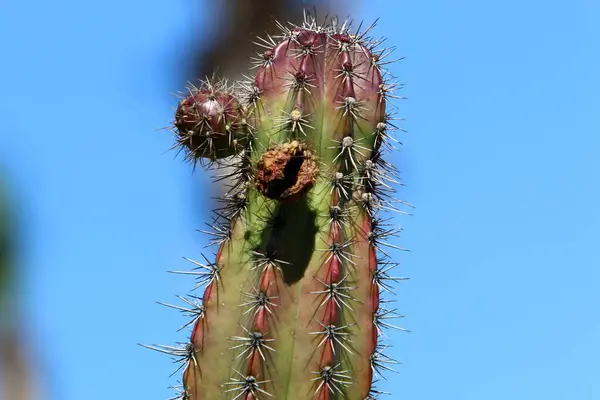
{"type": "Point", "coordinates": [292, 304]}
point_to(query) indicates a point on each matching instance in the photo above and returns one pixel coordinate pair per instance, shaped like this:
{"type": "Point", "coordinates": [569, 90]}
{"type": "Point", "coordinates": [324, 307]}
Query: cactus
{"type": "Point", "coordinates": [291, 307]}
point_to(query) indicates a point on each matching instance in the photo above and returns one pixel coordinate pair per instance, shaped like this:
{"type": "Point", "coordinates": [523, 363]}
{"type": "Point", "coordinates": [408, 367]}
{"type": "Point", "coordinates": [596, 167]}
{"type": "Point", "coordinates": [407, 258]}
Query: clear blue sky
{"type": "Point", "coordinates": [501, 160]}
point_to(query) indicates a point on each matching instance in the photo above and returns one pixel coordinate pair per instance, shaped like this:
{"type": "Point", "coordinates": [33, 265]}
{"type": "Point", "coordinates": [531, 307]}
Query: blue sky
{"type": "Point", "coordinates": [501, 160]}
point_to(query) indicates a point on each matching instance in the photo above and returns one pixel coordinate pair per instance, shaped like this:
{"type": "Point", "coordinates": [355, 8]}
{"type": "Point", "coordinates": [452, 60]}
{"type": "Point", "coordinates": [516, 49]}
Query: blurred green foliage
{"type": "Point", "coordinates": [6, 256]}
{"type": "Point", "coordinates": [16, 379]}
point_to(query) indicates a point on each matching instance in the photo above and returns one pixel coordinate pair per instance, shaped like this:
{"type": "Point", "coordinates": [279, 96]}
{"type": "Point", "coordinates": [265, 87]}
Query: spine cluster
{"type": "Point", "coordinates": [292, 305]}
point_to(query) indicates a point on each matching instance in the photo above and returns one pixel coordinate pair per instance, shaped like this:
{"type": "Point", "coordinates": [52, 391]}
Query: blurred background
{"type": "Point", "coordinates": [501, 160]}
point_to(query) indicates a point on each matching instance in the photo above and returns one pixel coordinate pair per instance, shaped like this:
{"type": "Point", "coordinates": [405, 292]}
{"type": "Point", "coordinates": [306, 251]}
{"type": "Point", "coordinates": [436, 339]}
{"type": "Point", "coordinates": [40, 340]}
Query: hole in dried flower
{"type": "Point", "coordinates": [286, 172]}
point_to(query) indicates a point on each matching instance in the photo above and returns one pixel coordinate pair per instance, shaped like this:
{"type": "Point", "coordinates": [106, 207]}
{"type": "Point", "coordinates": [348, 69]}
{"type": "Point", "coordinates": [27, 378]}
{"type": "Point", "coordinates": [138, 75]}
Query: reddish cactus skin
{"type": "Point", "coordinates": [292, 308]}
{"type": "Point", "coordinates": [209, 122]}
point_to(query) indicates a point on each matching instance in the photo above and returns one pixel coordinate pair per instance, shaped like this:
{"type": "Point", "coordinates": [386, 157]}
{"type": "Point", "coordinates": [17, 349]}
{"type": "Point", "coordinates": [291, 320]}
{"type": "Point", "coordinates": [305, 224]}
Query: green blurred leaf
{"type": "Point", "coordinates": [6, 253]}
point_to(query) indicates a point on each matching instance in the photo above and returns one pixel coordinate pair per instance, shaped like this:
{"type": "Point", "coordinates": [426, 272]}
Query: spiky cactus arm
{"type": "Point", "coordinates": [292, 306]}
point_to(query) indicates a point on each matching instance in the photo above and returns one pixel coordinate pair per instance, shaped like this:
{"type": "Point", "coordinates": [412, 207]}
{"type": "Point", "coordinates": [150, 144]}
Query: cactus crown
{"type": "Point", "coordinates": [291, 307]}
